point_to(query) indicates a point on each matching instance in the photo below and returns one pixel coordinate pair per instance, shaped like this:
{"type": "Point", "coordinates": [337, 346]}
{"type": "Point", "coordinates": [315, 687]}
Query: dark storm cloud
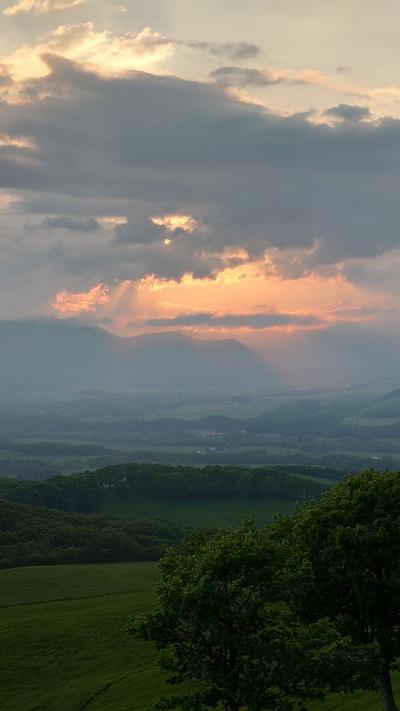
{"type": "Point", "coordinates": [255, 321]}
{"type": "Point", "coordinates": [66, 222]}
{"type": "Point", "coordinates": [346, 112]}
{"type": "Point", "coordinates": [258, 180]}
{"type": "Point", "coordinates": [243, 76]}
{"type": "Point", "coordinates": [138, 231]}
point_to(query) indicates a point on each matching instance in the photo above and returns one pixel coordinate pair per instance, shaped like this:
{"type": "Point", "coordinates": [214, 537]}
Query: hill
{"type": "Point", "coordinates": [78, 656]}
{"type": "Point", "coordinates": [38, 535]}
{"type": "Point", "coordinates": [69, 519]}
{"type": "Point", "coordinates": [67, 354]}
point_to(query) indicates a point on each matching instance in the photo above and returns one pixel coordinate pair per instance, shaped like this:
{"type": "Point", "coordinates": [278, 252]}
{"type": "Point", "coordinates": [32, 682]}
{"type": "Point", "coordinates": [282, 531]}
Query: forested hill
{"type": "Point", "coordinates": [86, 492]}
{"type": "Point", "coordinates": [35, 535]}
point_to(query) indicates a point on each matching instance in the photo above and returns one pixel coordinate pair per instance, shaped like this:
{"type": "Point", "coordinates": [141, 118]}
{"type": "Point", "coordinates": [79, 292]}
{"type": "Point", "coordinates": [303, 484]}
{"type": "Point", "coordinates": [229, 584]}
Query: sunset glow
{"type": "Point", "coordinates": [68, 303]}
{"type": "Point", "coordinates": [159, 176]}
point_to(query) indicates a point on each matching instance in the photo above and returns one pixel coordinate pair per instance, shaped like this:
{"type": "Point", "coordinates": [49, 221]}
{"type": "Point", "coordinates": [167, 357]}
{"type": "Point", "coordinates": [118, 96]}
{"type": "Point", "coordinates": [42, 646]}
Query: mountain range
{"type": "Point", "coordinates": [67, 354]}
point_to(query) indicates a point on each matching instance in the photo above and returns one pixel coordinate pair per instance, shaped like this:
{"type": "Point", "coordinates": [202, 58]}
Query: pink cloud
{"type": "Point", "coordinates": [68, 302]}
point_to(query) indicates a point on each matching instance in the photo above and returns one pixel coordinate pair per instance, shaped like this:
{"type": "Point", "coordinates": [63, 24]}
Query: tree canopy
{"type": "Point", "coordinates": [350, 540]}
{"type": "Point", "coordinates": [224, 626]}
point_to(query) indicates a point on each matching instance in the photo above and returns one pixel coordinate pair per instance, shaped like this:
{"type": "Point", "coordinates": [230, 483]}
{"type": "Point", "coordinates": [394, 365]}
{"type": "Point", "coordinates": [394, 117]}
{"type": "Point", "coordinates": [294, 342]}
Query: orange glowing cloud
{"type": "Point", "coordinates": [105, 51]}
{"type": "Point", "coordinates": [186, 223]}
{"type": "Point", "coordinates": [240, 300]}
{"type": "Point", "coordinates": [68, 302]}
{"type": "Point", "coordinates": [40, 7]}
{"type": "Point", "coordinates": [246, 290]}
{"type": "Point", "coordinates": [16, 141]}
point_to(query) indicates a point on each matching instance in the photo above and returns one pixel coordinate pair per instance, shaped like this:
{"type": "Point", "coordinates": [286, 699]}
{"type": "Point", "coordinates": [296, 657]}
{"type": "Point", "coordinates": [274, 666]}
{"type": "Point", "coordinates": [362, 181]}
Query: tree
{"type": "Point", "coordinates": [351, 539]}
{"type": "Point", "coordinates": [222, 626]}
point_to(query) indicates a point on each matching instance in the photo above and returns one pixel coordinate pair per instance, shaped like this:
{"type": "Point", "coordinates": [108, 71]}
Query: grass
{"type": "Point", "coordinates": [63, 643]}
{"type": "Point", "coordinates": [64, 649]}
{"type": "Point", "coordinates": [209, 514]}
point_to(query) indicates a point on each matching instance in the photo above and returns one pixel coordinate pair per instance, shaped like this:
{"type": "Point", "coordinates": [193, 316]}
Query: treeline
{"type": "Point", "coordinates": [33, 535]}
{"type": "Point", "coordinates": [84, 492]}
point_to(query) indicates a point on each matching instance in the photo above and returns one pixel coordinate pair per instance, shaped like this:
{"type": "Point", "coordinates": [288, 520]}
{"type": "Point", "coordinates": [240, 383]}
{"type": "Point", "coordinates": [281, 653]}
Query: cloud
{"type": "Point", "coordinates": [232, 50]}
{"type": "Point", "coordinates": [345, 112]}
{"type": "Point", "coordinates": [298, 194]}
{"type": "Point", "coordinates": [66, 222]}
{"type": "Point", "coordinates": [176, 224]}
{"type": "Point", "coordinates": [236, 76]}
{"type": "Point", "coordinates": [82, 302]}
{"type": "Point", "coordinates": [254, 321]}
{"type": "Point", "coordinates": [106, 50]}
{"type": "Point", "coordinates": [244, 76]}
{"type": "Point", "coordinates": [40, 7]}
{"type": "Point", "coordinates": [138, 231]}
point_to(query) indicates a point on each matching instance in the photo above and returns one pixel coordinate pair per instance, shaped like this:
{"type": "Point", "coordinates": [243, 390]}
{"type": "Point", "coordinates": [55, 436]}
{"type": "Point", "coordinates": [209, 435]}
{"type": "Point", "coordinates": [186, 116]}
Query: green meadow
{"type": "Point", "coordinates": [64, 648]}
{"type": "Point", "coordinates": [200, 514]}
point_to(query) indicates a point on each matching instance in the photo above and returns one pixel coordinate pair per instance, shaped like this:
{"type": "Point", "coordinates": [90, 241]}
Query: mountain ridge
{"type": "Point", "coordinates": [69, 354]}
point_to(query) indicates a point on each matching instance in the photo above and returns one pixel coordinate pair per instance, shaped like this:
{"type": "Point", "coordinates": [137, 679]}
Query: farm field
{"type": "Point", "coordinates": [64, 647]}
{"type": "Point", "coordinates": [343, 428]}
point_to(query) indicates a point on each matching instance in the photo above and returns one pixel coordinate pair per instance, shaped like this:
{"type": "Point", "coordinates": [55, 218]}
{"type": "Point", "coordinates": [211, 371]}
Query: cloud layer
{"type": "Point", "coordinates": [257, 181]}
{"type": "Point", "coordinates": [115, 171]}
{"type": "Point", "coordinates": [40, 7]}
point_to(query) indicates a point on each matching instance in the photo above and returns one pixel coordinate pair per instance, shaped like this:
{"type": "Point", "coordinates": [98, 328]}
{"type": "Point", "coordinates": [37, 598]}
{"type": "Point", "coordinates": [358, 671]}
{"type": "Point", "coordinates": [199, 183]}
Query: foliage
{"type": "Point", "coordinates": [63, 647]}
{"type": "Point", "coordinates": [31, 535]}
{"type": "Point", "coordinates": [352, 545]}
{"type": "Point", "coordinates": [223, 625]}
{"type": "Point", "coordinates": [84, 492]}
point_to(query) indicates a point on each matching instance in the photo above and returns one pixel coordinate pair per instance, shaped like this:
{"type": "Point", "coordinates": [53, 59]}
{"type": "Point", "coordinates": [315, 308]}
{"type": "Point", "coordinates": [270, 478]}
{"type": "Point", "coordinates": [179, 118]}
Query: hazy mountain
{"type": "Point", "coordinates": [68, 354]}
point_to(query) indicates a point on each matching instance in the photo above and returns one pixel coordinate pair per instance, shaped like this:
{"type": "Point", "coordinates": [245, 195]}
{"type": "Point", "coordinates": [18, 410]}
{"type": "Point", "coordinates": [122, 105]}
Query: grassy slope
{"type": "Point", "coordinates": [63, 642]}
{"type": "Point", "coordinates": [198, 513]}
{"type": "Point", "coordinates": [63, 646]}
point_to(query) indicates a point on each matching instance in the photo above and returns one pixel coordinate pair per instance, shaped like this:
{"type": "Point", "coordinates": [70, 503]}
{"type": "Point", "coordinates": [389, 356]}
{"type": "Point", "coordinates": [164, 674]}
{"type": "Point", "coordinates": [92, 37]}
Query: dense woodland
{"type": "Point", "coordinates": [35, 535]}
{"type": "Point", "coordinates": [84, 492]}
{"type": "Point", "coordinates": [52, 520]}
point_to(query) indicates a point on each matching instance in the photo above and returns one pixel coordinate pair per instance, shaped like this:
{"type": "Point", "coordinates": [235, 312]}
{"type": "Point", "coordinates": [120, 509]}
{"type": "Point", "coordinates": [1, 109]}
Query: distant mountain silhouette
{"type": "Point", "coordinates": [70, 355]}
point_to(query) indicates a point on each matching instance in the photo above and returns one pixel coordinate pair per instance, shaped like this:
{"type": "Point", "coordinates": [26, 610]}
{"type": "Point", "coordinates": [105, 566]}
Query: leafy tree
{"type": "Point", "coordinates": [352, 542]}
{"type": "Point", "coordinates": [223, 629]}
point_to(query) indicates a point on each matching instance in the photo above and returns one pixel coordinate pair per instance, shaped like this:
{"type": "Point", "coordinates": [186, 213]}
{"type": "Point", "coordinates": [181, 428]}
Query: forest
{"type": "Point", "coordinates": [83, 492]}
{"type": "Point", "coordinates": [57, 520]}
{"type": "Point", "coordinates": [35, 535]}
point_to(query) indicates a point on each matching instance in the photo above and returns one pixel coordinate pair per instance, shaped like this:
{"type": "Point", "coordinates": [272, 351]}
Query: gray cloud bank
{"type": "Point", "coordinates": [243, 76]}
{"type": "Point", "coordinates": [256, 180]}
{"type": "Point", "coordinates": [346, 112]}
{"type": "Point", "coordinates": [66, 222]}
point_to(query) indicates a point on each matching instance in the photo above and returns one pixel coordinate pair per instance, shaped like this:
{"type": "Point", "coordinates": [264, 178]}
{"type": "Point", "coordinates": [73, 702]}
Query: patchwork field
{"type": "Point", "coordinates": [64, 647]}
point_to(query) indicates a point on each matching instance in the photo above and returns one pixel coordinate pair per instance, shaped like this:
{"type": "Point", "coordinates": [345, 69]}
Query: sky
{"type": "Point", "coordinates": [220, 168]}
